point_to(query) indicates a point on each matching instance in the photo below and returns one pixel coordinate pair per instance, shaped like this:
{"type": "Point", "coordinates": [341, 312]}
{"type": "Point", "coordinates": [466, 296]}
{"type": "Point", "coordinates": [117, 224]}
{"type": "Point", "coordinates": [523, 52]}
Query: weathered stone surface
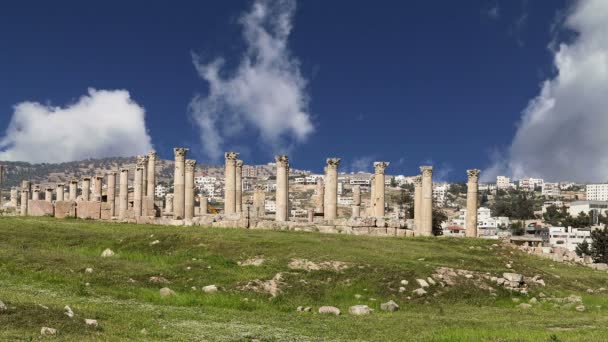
{"type": "Point", "coordinates": [359, 310]}
{"type": "Point", "coordinates": [68, 311]}
{"type": "Point", "coordinates": [419, 292]}
{"type": "Point", "coordinates": [513, 277]}
{"type": "Point", "coordinates": [91, 323]}
{"type": "Point", "coordinates": [524, 306]}
{"type": "Point", "coordinates": [65, 209]}
{"type": "Point", "coordinates": [390, 306]}
{"type": "Point", "coordinates": [210, 289]}
{"type": "Point", "coordinates": [46, 331]}
{"type": "Point", "coordinates": [3, 306]}
{"type": "Point", "coordinates": [422, 283]}
{"type": "Point", "coordinates": [107, 253]}
{"type": "Point", "coordinates": [166, 292]}
{"type": "Point", "coordinates": [40, 208]}
{"type": "Point", "coordinates": [329, 310]}
{"type": "Point", "coordinates": [88, 210]}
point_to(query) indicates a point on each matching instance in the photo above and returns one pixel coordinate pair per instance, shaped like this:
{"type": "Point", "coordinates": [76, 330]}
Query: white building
{"type": "Point", "coordinates": [568, 237]}
{"type": "Point", "coordinates": [577, 207]}
{"type": "Point", "coordinates": [547, 204]}
{"type": "Point", "coordinates": [404, 180]}
{"type": "Point", "coordinates": [529, 184]}
{"type": "Point", "coordinates": [340, 188]}
{"type": "Point", "coordinates": [160, 190]}
{"type": "Point", "coordinates": [486, 187]}
{"type": "Point", "coordinates": [270, 206]}
{"type": "Point", "coordinates": [440, 192]}
{"type": "Point", "coordinates": [485, 219]}
{"type": "Point", "coordinates": [345, 200]}
{"type": "Point", "coordinates": [551, 189]}
{"type": "Point", "coordinates": [597, 192]}
{"type": "Point", "coordinates": [503, 182]}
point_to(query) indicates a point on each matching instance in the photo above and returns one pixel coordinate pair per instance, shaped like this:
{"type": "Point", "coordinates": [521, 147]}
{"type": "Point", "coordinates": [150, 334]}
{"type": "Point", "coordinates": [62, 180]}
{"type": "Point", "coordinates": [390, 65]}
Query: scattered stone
{"type": "Point", "coordinates": [158, 280]}
{"type": "Point", "coordinates": [271, 286]}
{"type": "Point", "coordinates": [257, 261]}
{"type": "Point", "coordinates": [590, 291]}
{"type": "Point", "coordinates": [390, 306]}
{"type": "Point", "coordinates": [421, 259]}
{"type": "Point", "coordinates": [419, 292]}
{"type": "Point", "coordinates": [601, 289]}
{"type": "Point", "coordinates": [193, 288]}
{"type": "Point", "coordinates": [107, 253]}
{"type": "Point", "coordinates": [303, 264]}
{"type": "Point", "coordinates": [533, 300]}
{"type": "Point", "coordinates": [514, 277]}
{"type": "Point", "coordinates": [210, 289]}
{"type": "Point", "coordinates": [401, 289]}
{"type": "Point", "coordinates": [431, 281]}
{"type": "Point", "coordinates": [422, 283]}
{"type": "Point", "coordinates": [3, 306]}
{"type": "Point", "coordinates": [307, 309]}
{"type": "Point", "coordinates": [329, 310]}
{"type": "Point", "coordinates": [88, 270]}
{"type": "Point", "coordinates": [542, 295]}
{"type": "Point", "coordinates": [509, 266]}
{"type": "Point", "coordinates": [43, 306]}
{"type": "Point", "coordinates": [468, 276]}
{"type": "Point", "coordinates": [87, 284]}
{"type": "Point", "coordinates": [359, 310]}
{"type": "Point", "coordinates": [300, 308]}
{"type": "Point", "coordinates": [358, 296]}
{"type": "Point", "coordinates": [165, 292]}
{"type": "Point", "coordinates": [580, 308]}
{"type": "Point", "coordinates": [46, 331]}
{"type": "Point", "coordinates": [404, 282]}
{"type": "Point", "coordinates": [524, 306]}
{"type": "Point", "coordinates": [68, 311]}
{"type": "Point", "coordinates": [92, 323]}
{"type": "Point", "coordinates": [155, 242]}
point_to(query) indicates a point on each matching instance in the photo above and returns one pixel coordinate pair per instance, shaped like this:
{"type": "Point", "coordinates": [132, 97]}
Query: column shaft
{"type": "Point", "coordinates": [86, 189]}
{"type": "Point", "coordinates": [123, 194]}
{"type": "Point", "coordinates": [230, 183]}
{"type": "Point", "coordinates": [138, 191]}
{"type": "Point", "coordinates": [331, 189]}
{"type": "Point", "coordinates": [204, 204]}
{"type": "Point", "coordinates": [426, 212]}
{"type": "Point", "coordinates": [379, 168]}
{"type": "Point", "coordinates": [73, 190]}
{"type": "Point", "coordinates": [282, 193]}
{"type": "Point", "coordinates": [471, 216]}
{"type": "Point", "coordinates": [111, 193]}
{"type": "Point", "coordinates": [189, 189]}
{"type": "Point", "coordinates": [179, 190]}
{"type": "Point", "coordinates": [417, 204]}
{"type": "Point", "coordinates": [239, 186]}
{"type": "Point", "coordinates": [60, 192]}
{"type": "Point", "coordinates": [25, 196]}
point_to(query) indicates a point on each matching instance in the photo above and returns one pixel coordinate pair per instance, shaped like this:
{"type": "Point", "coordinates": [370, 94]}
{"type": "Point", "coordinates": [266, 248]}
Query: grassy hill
{"type": "Point", "coordinates": [43, 268]}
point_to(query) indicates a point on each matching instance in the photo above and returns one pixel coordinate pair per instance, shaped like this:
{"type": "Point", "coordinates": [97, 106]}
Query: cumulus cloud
{"type": "Point", "coordinates": [265, 95]}
{"type": "Point", "coordinates": [103, 123]}
{"type": "Point", "coordinates": [563, 132]}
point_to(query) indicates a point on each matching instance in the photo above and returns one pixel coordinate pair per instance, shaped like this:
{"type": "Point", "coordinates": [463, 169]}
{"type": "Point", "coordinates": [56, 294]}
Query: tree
{"type": "Point", "coordinates": [484, 199]}
{"type": "Point", "coordinates": [439, 217]}
{"type": "Point", "coordinates": [599, 245]}
{"type": "Point", "coordinates": [583, 249]}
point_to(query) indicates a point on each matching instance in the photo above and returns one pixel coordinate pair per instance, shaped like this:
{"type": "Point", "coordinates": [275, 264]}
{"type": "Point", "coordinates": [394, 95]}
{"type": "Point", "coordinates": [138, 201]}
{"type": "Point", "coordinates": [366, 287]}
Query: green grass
{"type": "Point", "coordinates": [43, 262]}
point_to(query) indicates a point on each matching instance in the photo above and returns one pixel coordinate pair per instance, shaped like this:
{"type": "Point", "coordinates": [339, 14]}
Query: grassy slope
{"type": "Point", "coordinates": [42, 261]}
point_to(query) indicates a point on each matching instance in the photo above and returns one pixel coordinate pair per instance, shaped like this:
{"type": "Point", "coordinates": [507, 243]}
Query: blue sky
{"type": "Point", "coordinates": [410, 82]}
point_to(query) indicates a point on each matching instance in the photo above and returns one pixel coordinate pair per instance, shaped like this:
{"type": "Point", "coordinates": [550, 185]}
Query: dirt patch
{"type": "Point", "coordinates": [303, 264]}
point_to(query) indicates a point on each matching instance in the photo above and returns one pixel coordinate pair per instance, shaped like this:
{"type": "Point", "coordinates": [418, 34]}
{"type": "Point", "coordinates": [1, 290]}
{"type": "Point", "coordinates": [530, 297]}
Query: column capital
{"type": "Point", "coordinates": [473, 175]}
{"type": "Point", "coordinates": [180, 152]}
{"type": "Point", "coordinates": [190, 165]}
{"type": "Point", "coordinates": [379, 167]}
{"type": "Point", "coordinates": [169, 196]}
{"type": "Point", "coordinates": [98, 177]}
{"type": "Point", "coordinates": [124, 169]}
{"type": "Point", "coordinates": [142, 160]}
{"type": "Point", "coordinates": [110, 173]}
{"type": "Point", "coordinates": [86, 178]}
{"type": "Point", "coordinates": [152, 155]}
{"type": "Point", "coordinates": [426, 170]}
{"type": "Point", "coordinates": [49, 189]}
{"type": "Point", "coordinates": [333, 162]}
{"type": "Point", "coordinates": [139, 167]}
{"type": "Point", "coordinates": [60, 185]}
{"type": "Point", "coordinates": [282, 160]}
{"type": "Point", "coordinates": [418, 181]}
{"type": "Point", "coordinates": [231, 155]}
{"type": "Point", "coordinates": [74, 181]}
{"type": "Point", "coordinates": [25, 191]}
{"type": "Point", "coordinates": [239, 164]}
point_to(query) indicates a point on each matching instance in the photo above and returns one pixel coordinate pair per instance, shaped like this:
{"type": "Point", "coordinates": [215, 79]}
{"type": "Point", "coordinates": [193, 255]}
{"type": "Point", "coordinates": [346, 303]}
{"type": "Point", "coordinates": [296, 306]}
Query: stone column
{"type": "Point", "coordinates": [371, 211]}
{"type": "Point", "coordinates": [138, 190]}
{"type": "Point", "coordinates": [14, 197]}
{"type": "Point", "coordinates": [123, 194]}
{"type": "Point", "coordinates": [169, 204]}
{"type": "Point", "coordinates": [426, 211]}
{"type": "Point", "coordinates": [356, 201]}
{"type": "Point", "coordinates": [259, 201]}
{"type": "Point", "coordinates": [86, 188]}
{"type": "Point", "coordinates": [25, 196]}
{"type": "Point", "coordinates": [111, 192]}
{"type": "Point", "coordinates": [27, 186]}
{"type": "Point", "coordinates": [379, 178]}
{"type": "Point", "coordinates": [239, 186]}
{"type": "Point", "coordinates": [230, 183]}
{"type": "Point", "coordinates": [151, 180]}
{"type": "Point", "coordinates": [48, 194]}
{"type": "Point", "coordinates": [282, 193]}
{"type": "Point", "coordinates": [189, 189]}
{"type": "Point", "coordinates": [331, 189]}
{"type": "Point", "coordinates": [142, 161]}
{"type": "Point", "coordinates": [73, 189]}
{"type": "Point", "coordinates": [320, 197]}
{"type": "Point", "coordinates": [97, 189]}
{"type": "Point", "coordinates": [60, 192]}
{"type": "Point", "coordinates": [311, 215]}
{"type": "Point", "coordinates": [36, 196]}
{"type": "Point", "coordinates": [179, 183]}
{"type": "Point", "coordinates": [417, 203]}
{"type": "Point", "coordinates": [471, 216]}
{"type": "Point", "coordinates": [203, 203]}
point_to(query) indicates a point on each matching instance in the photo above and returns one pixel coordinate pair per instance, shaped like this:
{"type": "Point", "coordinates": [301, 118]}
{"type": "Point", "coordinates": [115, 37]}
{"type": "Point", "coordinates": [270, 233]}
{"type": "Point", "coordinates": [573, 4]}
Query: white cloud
{"type": "Point", "coordinates": [103, 123]}
{"type": "Point", "coordinates": [492, 11]}
{"type": "Point", "coordinates": [266, 94]}
{"type": "Point", "coordinates": [563, 132]}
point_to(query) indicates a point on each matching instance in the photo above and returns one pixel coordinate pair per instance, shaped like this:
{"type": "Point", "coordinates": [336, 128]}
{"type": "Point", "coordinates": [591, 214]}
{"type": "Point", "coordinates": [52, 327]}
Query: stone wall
{"type": "Point", "coordinates": [88, 210]}
{"type": "Point", "coordinates": [40, 208]}
{"type": "Point", "coordinates": [65, 209]}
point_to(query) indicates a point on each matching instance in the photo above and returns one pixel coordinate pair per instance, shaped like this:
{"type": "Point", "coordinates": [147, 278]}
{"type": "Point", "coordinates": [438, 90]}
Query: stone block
{"type": "Point", "coordinates": [88, 210]}
{"type": "Point", "coordinates": [65, 209]}
{"type": "Point", "coordinates": [40, 208]}
{"type": "Point", "coordinates": [105, 211]}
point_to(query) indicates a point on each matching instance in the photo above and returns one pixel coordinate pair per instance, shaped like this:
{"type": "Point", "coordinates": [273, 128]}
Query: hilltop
{"type": "Point", "coordinates": [262, 277]}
